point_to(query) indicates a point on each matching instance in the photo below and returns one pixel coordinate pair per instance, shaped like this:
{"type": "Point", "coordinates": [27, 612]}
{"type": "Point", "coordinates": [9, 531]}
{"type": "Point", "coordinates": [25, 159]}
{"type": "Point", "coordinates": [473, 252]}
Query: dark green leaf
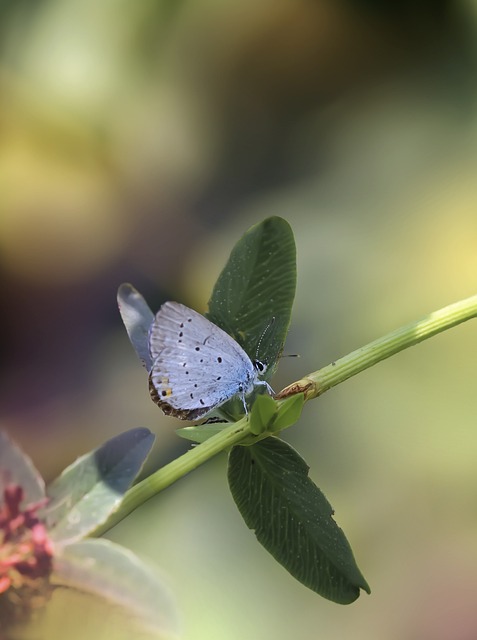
{"type": "Point", "coordinates": [105, 569]}
{"type": "Point", "coordinates": [254, 294]}
{"type": "Point", "coordinates": [292, 518]}
{"type": "Point", "coordinates": [90, 489]}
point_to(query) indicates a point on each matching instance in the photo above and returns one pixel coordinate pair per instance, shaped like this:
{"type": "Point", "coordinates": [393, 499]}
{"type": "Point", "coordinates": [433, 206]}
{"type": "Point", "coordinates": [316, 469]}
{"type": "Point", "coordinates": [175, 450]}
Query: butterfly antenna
{"type": "Point", "coordinates": [262, 336]}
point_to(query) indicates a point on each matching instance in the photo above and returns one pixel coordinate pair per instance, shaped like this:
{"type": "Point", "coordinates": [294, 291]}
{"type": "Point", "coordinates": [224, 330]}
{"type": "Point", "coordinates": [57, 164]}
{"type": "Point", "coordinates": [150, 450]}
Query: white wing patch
{"type": "Point", "coordinates": [196, 365]}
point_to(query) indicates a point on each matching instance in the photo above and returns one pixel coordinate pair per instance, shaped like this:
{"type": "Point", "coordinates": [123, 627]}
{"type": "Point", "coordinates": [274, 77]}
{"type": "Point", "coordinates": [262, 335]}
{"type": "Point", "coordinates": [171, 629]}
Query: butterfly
{"type": "Point", "coordinates": [196, 366]}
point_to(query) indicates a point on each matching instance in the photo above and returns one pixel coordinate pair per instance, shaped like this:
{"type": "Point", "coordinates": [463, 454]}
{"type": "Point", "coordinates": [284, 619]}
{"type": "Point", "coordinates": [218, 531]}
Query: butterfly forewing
{"type": "Point", "coordinates": [196, 365]}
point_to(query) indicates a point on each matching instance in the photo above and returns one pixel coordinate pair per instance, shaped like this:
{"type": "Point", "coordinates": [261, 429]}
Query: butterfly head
{"type": "Point", "coordinates": [260, 367]}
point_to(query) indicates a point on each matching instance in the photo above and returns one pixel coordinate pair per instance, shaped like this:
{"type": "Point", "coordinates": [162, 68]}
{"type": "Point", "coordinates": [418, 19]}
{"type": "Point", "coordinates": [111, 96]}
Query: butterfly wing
{"type": "Point", "coordinates": [196, 365]}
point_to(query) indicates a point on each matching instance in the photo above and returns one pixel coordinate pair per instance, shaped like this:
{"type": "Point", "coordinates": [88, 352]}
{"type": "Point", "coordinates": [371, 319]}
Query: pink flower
{"type": "Point", "coordinates": [26, 552]}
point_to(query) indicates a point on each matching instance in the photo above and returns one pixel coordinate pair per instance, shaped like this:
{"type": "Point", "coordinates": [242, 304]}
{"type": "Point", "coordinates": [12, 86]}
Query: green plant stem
{"type": "Point", "coordinates": [181, 466]}
{"type": "Point", "coordinates": [315, 384]}
{"type": "Point", "coordinates": [312, 385]}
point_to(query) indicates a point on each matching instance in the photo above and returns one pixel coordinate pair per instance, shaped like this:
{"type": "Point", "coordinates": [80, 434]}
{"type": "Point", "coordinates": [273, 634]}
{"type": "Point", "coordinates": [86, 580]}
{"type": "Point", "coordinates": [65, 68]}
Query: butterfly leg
{"type": "Point", "coordinates": [242, 395]}
{"type": "Point", "coordinates": [264, 383]}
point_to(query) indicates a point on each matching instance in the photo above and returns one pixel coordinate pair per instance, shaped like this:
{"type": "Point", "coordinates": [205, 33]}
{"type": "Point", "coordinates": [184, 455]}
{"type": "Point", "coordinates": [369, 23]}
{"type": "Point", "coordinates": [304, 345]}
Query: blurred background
{"type": "Point", "coordinates": [138, 141]}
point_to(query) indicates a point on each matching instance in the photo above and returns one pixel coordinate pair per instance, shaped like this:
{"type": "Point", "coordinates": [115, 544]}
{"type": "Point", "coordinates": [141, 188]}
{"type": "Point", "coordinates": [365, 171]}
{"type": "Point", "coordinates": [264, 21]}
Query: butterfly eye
{"type": "Point", "coordinates": [259, 366]}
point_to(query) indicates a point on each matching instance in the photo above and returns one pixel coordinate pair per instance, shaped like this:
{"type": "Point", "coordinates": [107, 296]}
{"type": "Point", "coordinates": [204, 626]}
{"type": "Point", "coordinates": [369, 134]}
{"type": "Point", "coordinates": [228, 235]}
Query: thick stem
{"type": "Point", "coordinates": [163, 478]}
{"type": "Point", "coordinates": [316, 383]}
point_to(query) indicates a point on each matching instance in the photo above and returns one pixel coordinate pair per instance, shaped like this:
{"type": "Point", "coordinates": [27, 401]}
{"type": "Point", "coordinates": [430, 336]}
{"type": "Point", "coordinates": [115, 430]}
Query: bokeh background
{"type": "Point", "coordinates": [138, 141]}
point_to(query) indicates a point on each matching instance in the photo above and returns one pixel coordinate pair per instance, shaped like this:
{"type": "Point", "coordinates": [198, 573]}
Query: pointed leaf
{"type": "Point", "coordinates": [105, 569]}
{"type": "Point", "coordinates": [90, 489]}
{"type": "Point", "coordinates": [17, 468]}
{"type": "Point", "coordinates": [253, 295]}
{"type": "Point", "coordinates": [137, 318]}
{"type": "Point", "coordinates": [261, 416]}
{"type": "Point", "coordinates": [292, 518]}
{"type": "Point", "coordinates": [200, 433]}
{"type": "Point", "coordinates": [288, 412]}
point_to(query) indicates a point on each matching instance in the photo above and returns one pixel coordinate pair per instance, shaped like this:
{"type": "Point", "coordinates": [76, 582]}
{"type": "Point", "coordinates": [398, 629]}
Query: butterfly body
{"type": "Point", "coordinates": [196, 366]}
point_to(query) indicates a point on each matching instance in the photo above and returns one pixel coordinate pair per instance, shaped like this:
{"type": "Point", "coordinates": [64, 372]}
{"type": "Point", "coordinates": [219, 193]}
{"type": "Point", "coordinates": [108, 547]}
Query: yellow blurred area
{"type": "Point", "coordinates": [138, 141]}
{"type": "Point", "coordinates": [60, 217]}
